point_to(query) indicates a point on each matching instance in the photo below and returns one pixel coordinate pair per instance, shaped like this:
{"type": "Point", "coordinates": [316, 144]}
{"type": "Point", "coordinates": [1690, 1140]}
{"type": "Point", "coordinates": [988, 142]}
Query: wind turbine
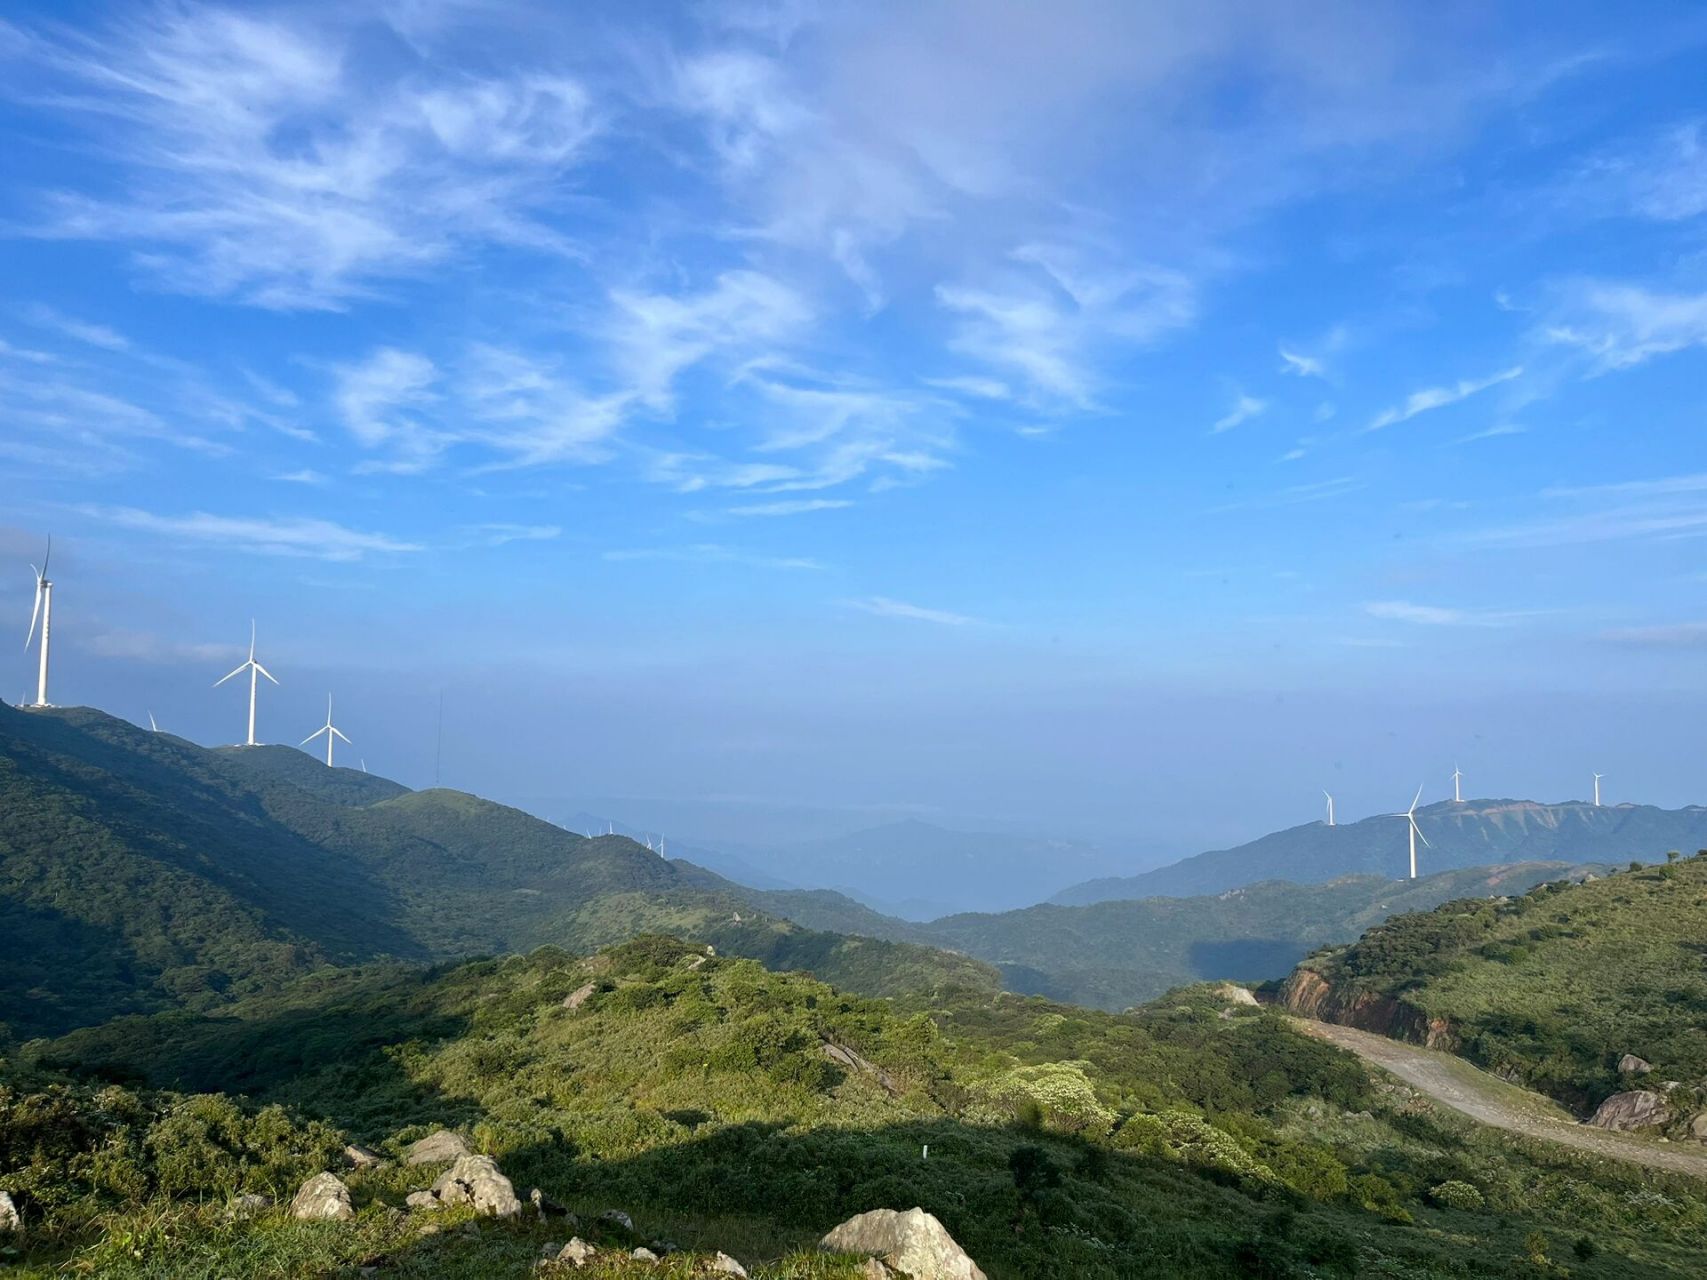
{"type": "Point", "coordinates": [44, 612]}
{"type": "Point", "coordinates": [1597, 778]}
{"type": "Point", "coordinates": [1457, 791]}
{"type": "Point", "coordinates": [1330, 807]}
{"type": "Point", "coordinates": [1410, 816]}
{"type": "Point", "coordinates": [255, 670]}
{"type": "Point", "coordinates": [330, 733]}
{"type": "Point", "coordinates": [152, 727]}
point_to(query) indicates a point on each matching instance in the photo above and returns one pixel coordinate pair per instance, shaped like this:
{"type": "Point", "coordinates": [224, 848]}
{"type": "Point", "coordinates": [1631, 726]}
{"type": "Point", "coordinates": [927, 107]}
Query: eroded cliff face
{"type": "Point", "coordinates": [1311, 995]}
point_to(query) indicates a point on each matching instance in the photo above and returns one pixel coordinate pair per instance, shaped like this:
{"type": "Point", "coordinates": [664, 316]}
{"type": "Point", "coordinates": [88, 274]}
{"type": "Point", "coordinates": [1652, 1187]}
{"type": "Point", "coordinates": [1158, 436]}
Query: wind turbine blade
{"type": "Point", "coordinates": [265, 672]}
{"type": "Point", "coordinates": [1420, 835]}
{"type": "Point", "coordinates": [1413, 807]}
{"type": "Point", "coordinates": [34, 614]}
{"type": "Point", "coordinates": [251, 639]}
{"type": "Point", "coordinates": [311, 737]}
{"type": "Point", "coordinates": [222, 679]}
{"type": "Point", "coordinates": [48, 555]}
{"type": "Point", "coordinates": [340, 734]}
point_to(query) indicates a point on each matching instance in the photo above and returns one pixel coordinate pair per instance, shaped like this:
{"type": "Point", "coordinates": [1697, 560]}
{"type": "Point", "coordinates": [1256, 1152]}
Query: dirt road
{"type": "Point", "coordinates": [1456, 1084]}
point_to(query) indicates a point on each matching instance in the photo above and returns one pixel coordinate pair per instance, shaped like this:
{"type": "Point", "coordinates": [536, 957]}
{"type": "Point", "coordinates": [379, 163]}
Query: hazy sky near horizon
{"type": "Point", "coordinates": [1118, 419]}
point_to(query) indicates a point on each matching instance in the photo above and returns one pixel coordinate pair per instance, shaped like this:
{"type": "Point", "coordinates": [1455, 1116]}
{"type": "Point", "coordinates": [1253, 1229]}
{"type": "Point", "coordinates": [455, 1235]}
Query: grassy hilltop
{"type": "Point", "coordinates": [1552, 987]}
{"type": "Point", "coordinates": [695, 1093]}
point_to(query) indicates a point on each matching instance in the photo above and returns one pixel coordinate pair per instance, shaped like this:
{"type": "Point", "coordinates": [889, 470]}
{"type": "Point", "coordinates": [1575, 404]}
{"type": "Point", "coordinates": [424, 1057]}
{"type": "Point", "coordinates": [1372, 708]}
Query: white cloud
{"type": "Point", "coordinates": [791, 507]}
{"type": "Point", "coordinates": [1429, 615]}
{"type": "Point", "coordinates": [307, 475]}
{"type": "Point", "coordinates": [265, 160]}
{"type": "Point", "coordinates": [1623, 325]}
{"type": "Point", "coordinates": [1244, 409]}
{"type": "Point", "coordinates": [884, 607]}
{"type": "Point", "coordinates": [1670, 635]}
{"type": "Point", "coordinates": [498, 535]}
{"type": "Point", "coordinates": [94, 335]}
{"type": "Point", "coordinates": [711, 553]}
{"type": "Point", "coordinates": [1302, 365]}
{"type": "Point", "coordinates": [282, 536]}
{"type": "Point", "coordinates": [1431, 398]}
{"type": "Point", "coordinates": [1494, 432]}
{"type": "Point", "coordinates": [1050, 321]}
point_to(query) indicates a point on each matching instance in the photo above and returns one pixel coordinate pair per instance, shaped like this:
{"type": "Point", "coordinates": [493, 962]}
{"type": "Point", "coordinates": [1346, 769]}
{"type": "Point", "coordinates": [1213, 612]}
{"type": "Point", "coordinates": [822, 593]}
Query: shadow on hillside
{"type": "Point", "coordinates": [57, 971]}
{"type": "Point", "coordinates": [757, 1191]}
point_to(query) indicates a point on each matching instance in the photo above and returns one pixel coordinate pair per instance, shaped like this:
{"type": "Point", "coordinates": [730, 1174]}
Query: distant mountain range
{"type": "Point", "coordinates": [1475, 833]}
{"type": "Point", "coordinates": [140, 873]}
{"type": "Point", "coordinates": [1112, 955]}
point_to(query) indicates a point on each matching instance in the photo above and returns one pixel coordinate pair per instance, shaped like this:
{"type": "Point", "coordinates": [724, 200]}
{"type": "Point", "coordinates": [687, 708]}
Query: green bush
{"type": "Point", "coordinates": [1457, 1195]}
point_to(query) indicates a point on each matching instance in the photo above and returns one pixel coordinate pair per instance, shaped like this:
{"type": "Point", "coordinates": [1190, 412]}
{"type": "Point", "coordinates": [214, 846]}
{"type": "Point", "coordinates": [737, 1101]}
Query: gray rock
{"type": "Point", "coordinates": [724, 1265]}
{"type": "Point", "coordinates": [363, 1157]}
{"type": "Point", "coordinates": [1638, 1109]}
{"type": "Point", "coordinates": [644, 1255]}
{"type": "Point", "coordinates": [1233, 993]}
{"type": "Point", "coordinates": [913, 1242]}
{"type": "Point", "coordinates": [577, 1251]}
{"type": "Point", "coordinates": [324, 1197]}
{"type": "Point", "coordinates": [1631, 1065]}
{"type": "Point", "coordinates": [545, 1206]}
{"type": "Point", "coordinates": [580, 995]}
{"type": "Point", "coordinates": [421, 1200]}
{"type": "Point", "coordinates": [9, 1219]}
{"type": "Point", "coordinates": [1698, 1126]}
{"type": "Point", "coordinates": [436, 1148]}
{"type": "Point", "coordinates": [476, 1180]}
{"type": "Point", "coordinates": [619, 1217]}
{"type": "Point", "coordinates": [248, 1204]}
{"type": "Point", "coordinates": [874, 1270]}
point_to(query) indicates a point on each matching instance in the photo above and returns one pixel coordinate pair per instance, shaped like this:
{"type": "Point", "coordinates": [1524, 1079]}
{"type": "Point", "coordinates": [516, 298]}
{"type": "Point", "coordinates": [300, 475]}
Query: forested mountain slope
{"type": "Point", "coordinates": [1472, 834]}
{"type": "Point", "coordinates": [1551, 988]}
{"type": "Point", "coordinates": [139, 872]}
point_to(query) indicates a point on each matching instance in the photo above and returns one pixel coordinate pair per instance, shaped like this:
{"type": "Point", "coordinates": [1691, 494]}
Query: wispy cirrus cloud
{"type": "Point", "coordinates": [266, 160]}
{"type": "Point", "coordinates": [1431, 398]}
{"type": "Point", "coordinates": [304, 536]}
{"type": "Point", "coordinates": [711, 553]}
{"type": "Point", "coordinates": [1621, 325]}
{"type": "Point", "coordinates": [1429, 615]}
{"type": "Point", "coordinates": [884, 607]}
{"type": "Point", "coordinates": [790, 507]}
{"type": "Point", "coordinates": [1244, 409]}
{"type": "Point", "coordinates": [1661, 508]}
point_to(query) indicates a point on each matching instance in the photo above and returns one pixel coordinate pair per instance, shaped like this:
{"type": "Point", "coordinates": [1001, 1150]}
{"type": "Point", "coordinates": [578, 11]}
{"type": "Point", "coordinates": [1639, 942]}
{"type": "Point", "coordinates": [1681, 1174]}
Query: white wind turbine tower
{"type": "Point", "coordinates": [330, 733]}
{"type": "Point", "coordinates": [44, 612]}
{"type": "Point", "coordinates": [1457, 790]}
{"type": "Point", "coordinates": [255, 670]}
{"type": "Point", "coordinates": [1330, 807]}
{"type": "Point", "coordinates": [1597, 778]}
{"type": "Point", "coordinates": [1410, 816]}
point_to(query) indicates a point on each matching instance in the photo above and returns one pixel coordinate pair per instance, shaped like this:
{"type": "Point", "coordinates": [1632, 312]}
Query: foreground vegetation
{"type": "Point", "coordinates": [1555, 986]}
{"type": "Point", "coordinates": [697, 1093]}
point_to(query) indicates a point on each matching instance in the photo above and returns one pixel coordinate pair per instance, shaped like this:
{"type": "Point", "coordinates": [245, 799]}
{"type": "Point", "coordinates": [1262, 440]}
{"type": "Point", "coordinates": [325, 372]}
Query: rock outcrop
{"type": "Point", "coordinates": [361, 1157]}
{"type": "Point", "coordinates": [579, 996]}
{"type": "Point", "coordinates": [1637, 1109]}
{"type": "Point", "coordinates": [913, 1242]}
{"type": "Point", "coordinates": [436, 1148]}
{"type": "Point", "coordinates": [1308, 993]}
{"type": "Point", "coordinates": [722, 1264]}
{"type": "Point", "coordinates": [477, 1181]}
{"type": "Point", "coordinates": [576, 1252]}
{"type": "Point", "coordinates": [324, 1197]}
{"type": "Point", "coordinates": [9, 1219]}
{"type": "Point", "coordinates": [1631, 1065]}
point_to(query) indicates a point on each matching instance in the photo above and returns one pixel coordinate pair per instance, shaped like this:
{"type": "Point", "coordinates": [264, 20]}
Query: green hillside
{"type": "Point", "coordinates": [1112, 955]}
{"type": "Point", "coordinates": [140, 872]}
{"type": "Point", "coordinates": [1551, 988]}
{"type": "Point", "coordinates": [700, 1095]}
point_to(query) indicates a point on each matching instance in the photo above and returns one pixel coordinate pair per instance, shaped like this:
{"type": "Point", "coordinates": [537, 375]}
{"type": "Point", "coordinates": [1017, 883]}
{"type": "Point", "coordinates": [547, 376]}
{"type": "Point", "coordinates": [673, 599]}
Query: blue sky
{"type": "Point", "coordinates": [1056, 415]}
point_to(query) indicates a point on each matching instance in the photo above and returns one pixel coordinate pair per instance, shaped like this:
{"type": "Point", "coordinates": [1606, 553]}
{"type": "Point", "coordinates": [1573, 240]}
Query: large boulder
{"type": "Point", "coordinates": [361, 1157]}
{"type": "Point", "coordinates": [436, 1148]}
{"type": "Point", "coordinates": [1637, 1109]}
{"type": "Point", "coordinates": [580, 995]}
{"type": "Point", "coordinates": [1631, 1065]}
{"type": "Point", "coordinates": [324, 1197]}
{"type": "Point", "coordinates": [913, 1242]}
{"type": "Point", "coordinates": [9, 1219]}
{"type": "Point", "coordinates": [1698, 1126]}
{"type": "Point", "coordinates": [476, 1180]}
